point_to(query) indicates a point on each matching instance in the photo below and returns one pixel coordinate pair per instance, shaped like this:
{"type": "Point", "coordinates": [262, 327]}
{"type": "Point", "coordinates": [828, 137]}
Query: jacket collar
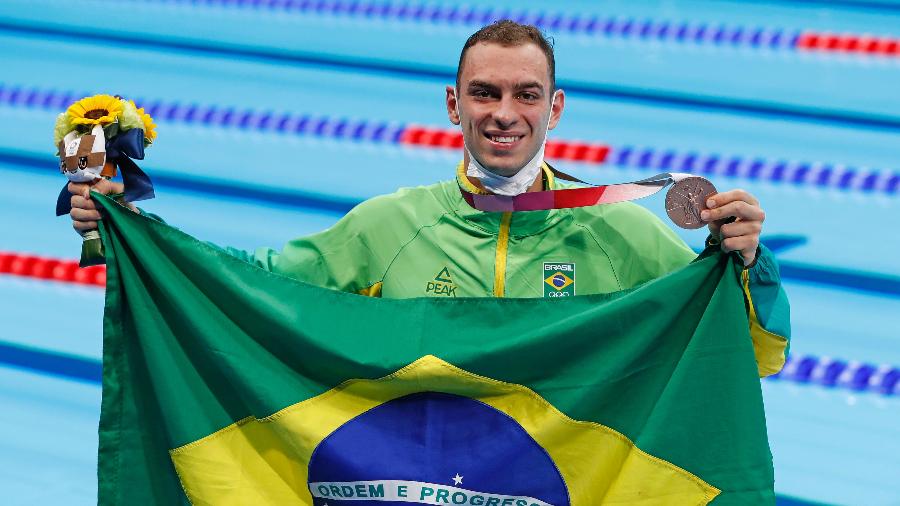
{"type": "Point", "coordinates": [522, 224]}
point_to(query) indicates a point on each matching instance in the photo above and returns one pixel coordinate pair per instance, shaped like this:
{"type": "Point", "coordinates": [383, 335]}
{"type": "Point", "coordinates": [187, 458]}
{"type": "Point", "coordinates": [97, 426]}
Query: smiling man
{"type": "Point", "coordinates": [505, 90]}
{"type": "Point", "coordinates": [429, 241]}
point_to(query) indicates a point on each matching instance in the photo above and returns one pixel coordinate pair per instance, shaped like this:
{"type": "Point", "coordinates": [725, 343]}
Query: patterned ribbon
{"type": "Point", "coordinates": [590, 195]}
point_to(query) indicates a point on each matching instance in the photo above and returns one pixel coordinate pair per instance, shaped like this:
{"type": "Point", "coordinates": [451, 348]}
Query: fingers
{"type": "Point", "coordinates": [81, 202]}
{"type": "Point", "coordinates": [82, 189]}
{"type": "Point", "coordinates": [745, 244]}
{"type": "Point", "coordinates": [102, 186]}
{"type": "Point", "coordinates": [739, 228]}
{"type": "Point", "coordinates": [720, 199]}
{"type": "Point", "coordinates": [84, 214]}
{"type": "Point", "coordinates": [84, 226]}
{"type": "Point", "coordinates": [740, 209]}
{"type": "Point", "coordinates": [742, 234]}
{"type": "Point", "coordinates": [105, 187]}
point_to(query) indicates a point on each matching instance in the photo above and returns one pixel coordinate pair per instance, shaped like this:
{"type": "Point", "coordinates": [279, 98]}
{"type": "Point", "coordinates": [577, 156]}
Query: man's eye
{"type": "Point", "coordinates": [481, 94]}
{"type": "Point", "coordinates": [528, 96]}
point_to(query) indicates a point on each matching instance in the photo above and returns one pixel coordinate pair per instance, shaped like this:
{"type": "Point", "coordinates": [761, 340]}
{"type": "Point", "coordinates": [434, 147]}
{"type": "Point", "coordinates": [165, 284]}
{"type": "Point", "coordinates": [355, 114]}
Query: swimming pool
{"type": "Point", "coordinates": [301, 109]}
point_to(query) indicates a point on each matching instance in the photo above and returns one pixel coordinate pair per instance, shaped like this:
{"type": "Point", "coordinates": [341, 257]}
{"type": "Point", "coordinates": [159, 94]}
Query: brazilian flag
{"type": "Point", "coordinates": [224, 384]}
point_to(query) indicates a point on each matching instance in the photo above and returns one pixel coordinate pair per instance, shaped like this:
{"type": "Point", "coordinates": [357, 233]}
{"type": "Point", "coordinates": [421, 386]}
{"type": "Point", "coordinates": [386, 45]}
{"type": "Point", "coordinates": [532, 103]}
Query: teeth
{"type": "Point", "coordinates": [504, 140]}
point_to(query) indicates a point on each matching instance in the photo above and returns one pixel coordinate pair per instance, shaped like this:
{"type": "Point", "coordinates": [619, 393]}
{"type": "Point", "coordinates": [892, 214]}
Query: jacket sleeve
{"type": "Point", "coordinates": [769, 313]}
{"type": "Point", "coordinates": [337, 258]}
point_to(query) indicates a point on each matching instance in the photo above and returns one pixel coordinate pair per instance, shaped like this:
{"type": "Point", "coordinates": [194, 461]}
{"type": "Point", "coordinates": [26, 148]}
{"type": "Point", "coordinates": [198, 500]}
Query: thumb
{"type": "Point", "coordinates": [105, 187]}
{"type": "Point", "coordinates": [715, 228]}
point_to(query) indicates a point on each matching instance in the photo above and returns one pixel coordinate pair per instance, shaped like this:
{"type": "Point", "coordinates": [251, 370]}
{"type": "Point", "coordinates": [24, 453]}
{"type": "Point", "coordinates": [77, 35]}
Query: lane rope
{"type": "Point", "coordinates": [799, 173]}
{"type": "Point", "coordinates": [805, 369]}
{"type": "Point", "coordinates": [51, 269]}
{"type": "Point", "coordinates": [841, 374]}
{"type": "Point", "coordinates": [608, 26]}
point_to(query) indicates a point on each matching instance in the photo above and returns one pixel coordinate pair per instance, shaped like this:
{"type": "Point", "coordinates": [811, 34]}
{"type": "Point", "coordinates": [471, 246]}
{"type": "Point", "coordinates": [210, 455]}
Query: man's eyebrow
{"type": "Point", "coordinates": [482, 84]}
{"type": "Point", "coordinates": [529, 84]}
{"type": "Point", "coordinates": [518, 86]}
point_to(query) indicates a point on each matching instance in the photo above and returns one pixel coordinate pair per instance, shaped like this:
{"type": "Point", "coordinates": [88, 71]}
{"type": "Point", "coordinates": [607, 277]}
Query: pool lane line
{"type": "Point", "coordinates": [66, 271]}
{"type": "Point", "coordinates": [86, 370]}
{"type": "Point", "coordinates": [873, 283]}
{"type": "Point", "coordinates": [784, 500]}
{"type": "Point", "coordinates": [443, 75]}
{"type": "Point", "coordinates": [797, 173]}
{"type": "Point", "coordinates": [608, 26]}
{"type": "Point", "coordinates": [291, 199]}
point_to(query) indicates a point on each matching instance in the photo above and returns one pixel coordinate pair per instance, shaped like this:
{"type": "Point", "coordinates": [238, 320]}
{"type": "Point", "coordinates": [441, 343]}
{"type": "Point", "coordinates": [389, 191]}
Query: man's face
{"type": "Point", "coordinates": [504, 104]}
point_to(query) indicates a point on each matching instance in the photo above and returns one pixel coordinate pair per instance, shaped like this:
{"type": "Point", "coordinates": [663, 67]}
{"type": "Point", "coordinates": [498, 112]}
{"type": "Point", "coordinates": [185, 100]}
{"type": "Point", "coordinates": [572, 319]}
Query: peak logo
{"type": "Point", "coordinates": [559, 279]}
{"type": "Point", "coordinates": [442, 284]}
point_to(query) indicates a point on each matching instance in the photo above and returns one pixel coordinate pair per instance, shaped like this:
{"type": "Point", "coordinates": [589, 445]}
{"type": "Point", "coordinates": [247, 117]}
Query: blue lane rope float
{"type": "Point", "coordinates": [592, 25]}
{"type": "Point", "coordinates": [834, 373]}
{"type": "Point", "coordinates": [609, 26]}
{"type": "Point", "coordinates": [799, 173]}
{"type": "Point", "coordinates": [805, 369]}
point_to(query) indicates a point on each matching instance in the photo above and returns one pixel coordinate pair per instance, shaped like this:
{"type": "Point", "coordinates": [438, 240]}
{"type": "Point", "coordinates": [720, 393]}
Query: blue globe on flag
{"type": "Point", "coordinates": [434, 448]}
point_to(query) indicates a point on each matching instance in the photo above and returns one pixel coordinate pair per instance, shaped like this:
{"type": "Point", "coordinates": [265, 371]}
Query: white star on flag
{"type": "Point", "coordinates": [457, 480]}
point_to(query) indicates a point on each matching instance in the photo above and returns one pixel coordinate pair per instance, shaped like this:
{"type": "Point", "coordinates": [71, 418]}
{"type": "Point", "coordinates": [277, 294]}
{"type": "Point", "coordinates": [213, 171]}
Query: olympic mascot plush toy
{"type": "Point", "coordinates": [96, 137]}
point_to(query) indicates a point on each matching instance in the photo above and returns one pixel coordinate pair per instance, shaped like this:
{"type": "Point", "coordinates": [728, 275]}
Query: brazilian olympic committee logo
{"type": "Point", "coordinates": [559, 279]}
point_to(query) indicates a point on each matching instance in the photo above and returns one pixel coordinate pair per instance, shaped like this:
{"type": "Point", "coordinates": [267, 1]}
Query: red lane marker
{"type": "Point", "coordinates": [808, 41]}
{"type": "Point", "coordinates": [452, 139]}
{"type": "Point", "coordinates": [554, 149]}
{"type": "Point", "coordinates": [54, 269]}
{"type": "Point", "coordinates": [849, 43]}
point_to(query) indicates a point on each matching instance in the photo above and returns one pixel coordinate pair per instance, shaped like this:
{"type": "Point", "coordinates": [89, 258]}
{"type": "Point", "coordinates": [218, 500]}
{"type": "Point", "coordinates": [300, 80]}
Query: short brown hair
{"type": "Point", "coordinates": [510, 34]}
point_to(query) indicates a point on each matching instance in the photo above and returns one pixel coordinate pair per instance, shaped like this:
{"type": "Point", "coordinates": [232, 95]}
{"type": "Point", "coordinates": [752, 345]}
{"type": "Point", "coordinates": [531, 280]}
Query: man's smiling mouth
{"type": "Point", "coordinates": [503, 140]}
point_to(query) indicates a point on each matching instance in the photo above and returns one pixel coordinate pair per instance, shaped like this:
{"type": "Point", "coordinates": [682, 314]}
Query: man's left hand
{"type": "Point", "coordinates": [743, 233]}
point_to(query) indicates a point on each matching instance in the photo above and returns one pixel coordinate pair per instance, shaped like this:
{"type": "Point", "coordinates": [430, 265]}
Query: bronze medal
{"type": "Point", "coordinates": [686, 199]}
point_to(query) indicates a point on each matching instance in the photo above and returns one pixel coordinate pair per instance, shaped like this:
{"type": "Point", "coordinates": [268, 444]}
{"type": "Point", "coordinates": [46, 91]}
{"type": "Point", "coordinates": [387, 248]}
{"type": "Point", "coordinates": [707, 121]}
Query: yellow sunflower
{"type": "Point", "coordinates": [149, 125]}
{"type": "Point", "coordinates": [97, 110]}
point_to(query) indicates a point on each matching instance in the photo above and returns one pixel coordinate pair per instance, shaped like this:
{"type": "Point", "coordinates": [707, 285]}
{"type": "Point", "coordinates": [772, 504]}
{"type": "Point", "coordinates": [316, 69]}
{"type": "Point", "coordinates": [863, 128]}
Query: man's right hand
{"type": "Point", "coordinates": [84, 213]}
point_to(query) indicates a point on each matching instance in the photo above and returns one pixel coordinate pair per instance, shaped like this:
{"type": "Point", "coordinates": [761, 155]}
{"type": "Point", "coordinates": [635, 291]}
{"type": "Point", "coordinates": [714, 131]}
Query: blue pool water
{"type": "Point", "coordinates": [220, 183]}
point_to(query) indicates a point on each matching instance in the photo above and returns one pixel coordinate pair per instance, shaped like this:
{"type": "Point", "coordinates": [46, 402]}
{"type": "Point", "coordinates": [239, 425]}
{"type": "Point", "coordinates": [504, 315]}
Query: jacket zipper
{"type": "Point", "coordinates": [500, 258]}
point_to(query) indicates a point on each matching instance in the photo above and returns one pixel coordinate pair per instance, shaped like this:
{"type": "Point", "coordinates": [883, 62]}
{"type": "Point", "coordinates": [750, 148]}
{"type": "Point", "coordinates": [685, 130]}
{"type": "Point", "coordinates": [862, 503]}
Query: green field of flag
{"type": "Point", "coordinates": [227, 384]}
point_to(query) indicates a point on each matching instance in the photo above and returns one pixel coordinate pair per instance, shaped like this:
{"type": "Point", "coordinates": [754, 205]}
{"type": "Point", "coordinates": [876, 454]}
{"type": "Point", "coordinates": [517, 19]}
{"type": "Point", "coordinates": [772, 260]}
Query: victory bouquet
{"type": "Point", "coordinates": [97, 137]}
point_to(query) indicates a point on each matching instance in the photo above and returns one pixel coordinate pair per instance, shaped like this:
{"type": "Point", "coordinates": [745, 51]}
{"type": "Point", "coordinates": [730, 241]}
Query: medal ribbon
{"type": "Point", "coordinates": [573, 197]}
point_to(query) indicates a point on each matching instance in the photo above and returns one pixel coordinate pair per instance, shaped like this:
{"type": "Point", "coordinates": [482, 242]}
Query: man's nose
{"type": "Point", "coordinates": [505, 115]}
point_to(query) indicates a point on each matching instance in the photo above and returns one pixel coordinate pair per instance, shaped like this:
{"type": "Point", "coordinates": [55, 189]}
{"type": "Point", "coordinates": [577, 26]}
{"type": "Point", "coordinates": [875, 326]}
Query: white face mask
{"type": "Point", "coordinates": [519, 182]}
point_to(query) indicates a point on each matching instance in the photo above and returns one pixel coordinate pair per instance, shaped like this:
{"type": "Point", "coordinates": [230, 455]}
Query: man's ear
{"type": "Point", "coordinates": [452, 104]}
{"type": "Point", "coordinates": [559, 103]}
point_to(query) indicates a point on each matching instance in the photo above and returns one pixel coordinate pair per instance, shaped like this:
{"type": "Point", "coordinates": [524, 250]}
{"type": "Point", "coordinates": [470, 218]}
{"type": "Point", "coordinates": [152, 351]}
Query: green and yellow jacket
{"type": "Point", "coordinates": [428, 242]}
